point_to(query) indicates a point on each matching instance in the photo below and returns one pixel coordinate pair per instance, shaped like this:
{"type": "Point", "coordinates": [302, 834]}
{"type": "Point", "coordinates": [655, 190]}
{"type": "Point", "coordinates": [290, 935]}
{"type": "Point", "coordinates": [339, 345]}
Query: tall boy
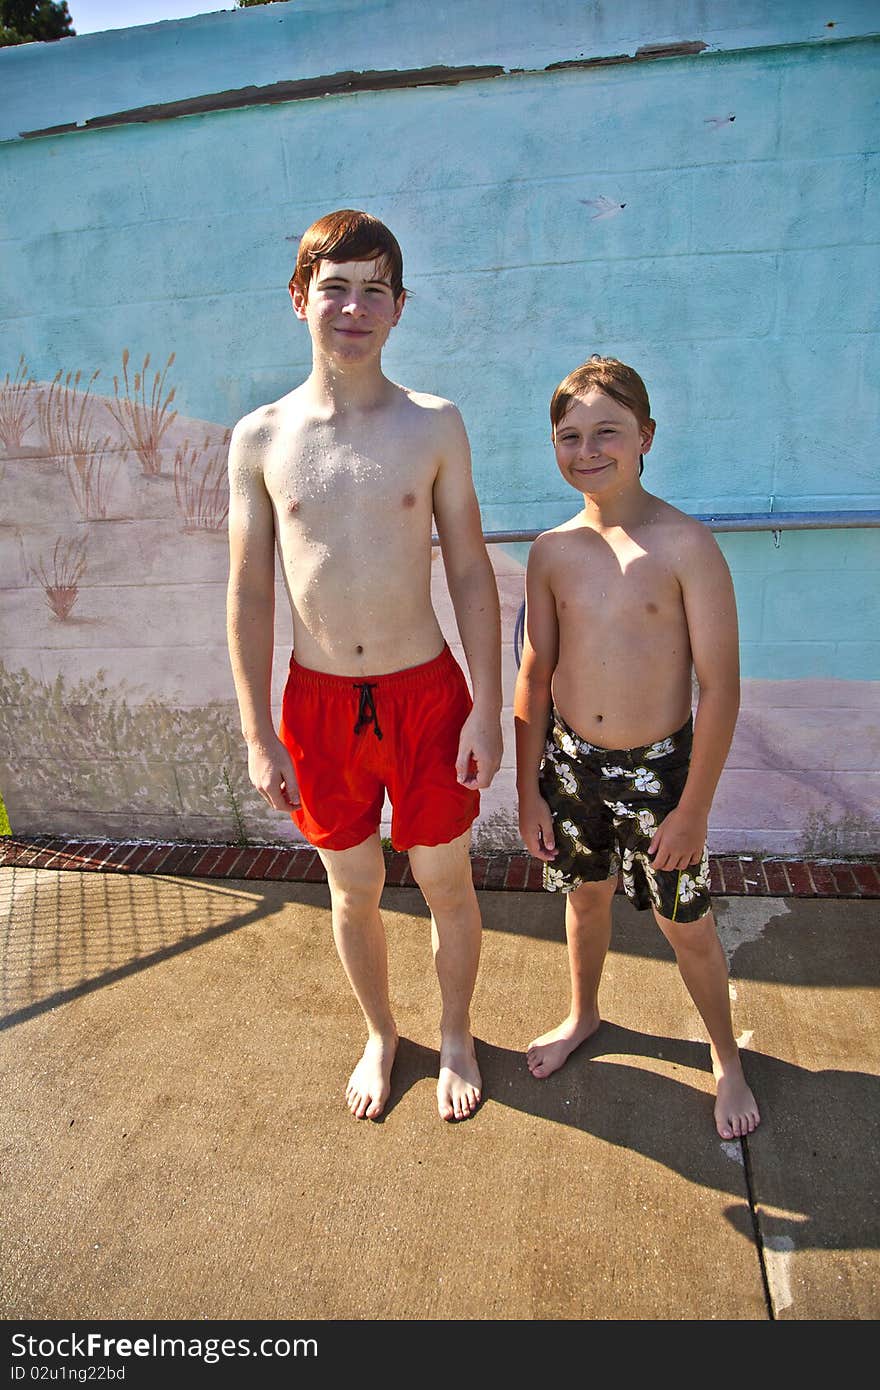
{"type": "Point", "coordinates": [344, 474]}
{"type": "Point", "coordinates": [624, 602]}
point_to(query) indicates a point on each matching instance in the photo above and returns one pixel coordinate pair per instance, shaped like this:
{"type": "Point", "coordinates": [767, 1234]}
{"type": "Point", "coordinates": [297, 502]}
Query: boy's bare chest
{"type": "Point", "coordinates": [321, 483]}
{"type": "Point", "coordinates": [616, 588]}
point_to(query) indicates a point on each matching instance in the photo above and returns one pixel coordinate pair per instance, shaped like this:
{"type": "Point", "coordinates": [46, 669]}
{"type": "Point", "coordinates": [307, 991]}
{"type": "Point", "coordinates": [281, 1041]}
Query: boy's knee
{"type": "Point", "coordinates": [354, 884]}
{"type": "Point", "coordinates": [355, 897]}
{"type": "Point", "coordinates": [444, 882]}
{"type": "Point", "coordinates": [356, 873]}
{"type": "Point", "coordinates": [589, 896]}
{"type": "Point", "coordinates": [699, 937]}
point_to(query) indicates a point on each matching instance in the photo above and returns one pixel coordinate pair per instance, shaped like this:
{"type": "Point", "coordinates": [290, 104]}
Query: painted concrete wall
{"type": "Point", "coordinates": [79, 79]}
{"type": "Point", "coordinates": [544, 215]}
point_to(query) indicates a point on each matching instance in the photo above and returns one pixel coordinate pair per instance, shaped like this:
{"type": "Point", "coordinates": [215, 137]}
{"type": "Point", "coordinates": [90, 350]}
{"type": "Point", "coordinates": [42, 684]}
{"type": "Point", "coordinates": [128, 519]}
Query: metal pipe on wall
{"type": "Point", "coordinates": [741, 521]}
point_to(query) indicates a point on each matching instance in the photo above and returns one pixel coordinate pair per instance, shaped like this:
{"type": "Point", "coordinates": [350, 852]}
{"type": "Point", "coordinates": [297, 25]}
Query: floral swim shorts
{"type": "Point", "coordinates": [607, 804]}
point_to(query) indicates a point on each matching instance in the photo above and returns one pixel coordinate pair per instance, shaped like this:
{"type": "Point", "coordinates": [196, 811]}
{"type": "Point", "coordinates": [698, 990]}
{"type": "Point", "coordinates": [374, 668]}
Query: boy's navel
{"type": "Point", "coordinates": [651, 608]}
{"type": "Point", "coordinates": [409, 499]}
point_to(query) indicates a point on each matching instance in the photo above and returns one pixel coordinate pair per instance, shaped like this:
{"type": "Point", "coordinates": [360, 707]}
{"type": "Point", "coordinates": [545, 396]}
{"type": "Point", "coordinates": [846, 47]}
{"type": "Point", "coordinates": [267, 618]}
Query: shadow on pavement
{"type": "Point", "coordinates": [635, 1109]}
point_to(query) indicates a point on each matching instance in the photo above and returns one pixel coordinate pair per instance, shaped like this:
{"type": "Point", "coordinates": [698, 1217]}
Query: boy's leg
{"type": "Point", "coordinates": [443, 872]}
{"type": "Point", "coordinates": [356, 877]}
{"type": "Point", "coordinates": [588, 932]}
{"type": "Point", "coordinates": [703, 967]}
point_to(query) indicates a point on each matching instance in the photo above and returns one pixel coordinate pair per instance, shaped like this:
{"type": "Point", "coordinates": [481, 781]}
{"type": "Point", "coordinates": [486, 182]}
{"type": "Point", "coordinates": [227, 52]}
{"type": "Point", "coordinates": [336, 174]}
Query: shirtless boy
{"type": "Point", "coordinates": [624, 602]}
{"type": "Point", "coordinates": [344, 475]}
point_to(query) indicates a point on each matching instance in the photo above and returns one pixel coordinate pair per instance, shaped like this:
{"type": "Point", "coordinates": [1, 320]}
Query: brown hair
{"type": "Point", "coordinates": [613, 378]}
{"type": "Point", "coordinates": [347, 235]}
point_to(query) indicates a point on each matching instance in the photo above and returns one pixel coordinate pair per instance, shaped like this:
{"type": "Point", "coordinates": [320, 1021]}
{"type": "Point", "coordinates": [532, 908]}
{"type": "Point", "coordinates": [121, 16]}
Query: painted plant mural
{"type": "Point", "coordinates": [117, 710]}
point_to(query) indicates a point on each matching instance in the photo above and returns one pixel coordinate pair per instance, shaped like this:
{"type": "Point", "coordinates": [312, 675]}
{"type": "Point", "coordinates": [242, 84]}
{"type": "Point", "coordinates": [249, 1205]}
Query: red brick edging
{"type": "Point", "coordinates": [734, 875]}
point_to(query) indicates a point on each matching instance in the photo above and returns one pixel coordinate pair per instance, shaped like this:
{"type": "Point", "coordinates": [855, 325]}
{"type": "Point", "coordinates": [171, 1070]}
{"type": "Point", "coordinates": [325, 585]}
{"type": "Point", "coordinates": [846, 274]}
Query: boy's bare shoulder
{"type": "Point", "coordinates": [668, 515]}
{"type": "Point", "coordinates": [436, 415]}
{"type": "Point", "coordinates": [423, 400]}
{"type": "Point", "coordinates": [686, 545]}
{"type": "Point", "coordinates": [259, 425]}
{"type": "Point", "coordinates": [255, 432]}
{"type": "Point", "coordinates": [683, 527]}
{"type": "Point", "coordinates": [549, 544]}
{"type": "Point", "coordinates": [549, 539]}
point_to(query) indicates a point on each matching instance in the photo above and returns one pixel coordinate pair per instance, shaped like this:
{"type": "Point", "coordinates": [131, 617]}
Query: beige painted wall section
{"type": "Point", "coordinates": [117, 708]}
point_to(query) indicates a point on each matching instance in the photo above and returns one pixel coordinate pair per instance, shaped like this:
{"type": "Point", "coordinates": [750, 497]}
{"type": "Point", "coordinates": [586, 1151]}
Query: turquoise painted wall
{"type": "Point", "coordinates": [545, 213]}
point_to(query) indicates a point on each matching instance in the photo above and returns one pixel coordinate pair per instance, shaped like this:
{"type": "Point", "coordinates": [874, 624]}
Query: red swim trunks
{"type": "Point", "coordinates": [350, 740]}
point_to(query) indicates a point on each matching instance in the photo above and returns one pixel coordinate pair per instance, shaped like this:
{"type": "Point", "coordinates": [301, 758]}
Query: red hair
{"type": "Point", "coordinates": [348, 235]}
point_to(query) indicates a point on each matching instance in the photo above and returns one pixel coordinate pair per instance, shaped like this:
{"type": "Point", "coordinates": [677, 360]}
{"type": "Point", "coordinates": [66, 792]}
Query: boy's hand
{"type": "Point", "coordinates": [679, 840]}
{"type": "Point", "coordinates": [271, 771]}
{"type": "Point", "coordinates": [479, 751]}
{"type": "Point", "coordinates": [536, 828]}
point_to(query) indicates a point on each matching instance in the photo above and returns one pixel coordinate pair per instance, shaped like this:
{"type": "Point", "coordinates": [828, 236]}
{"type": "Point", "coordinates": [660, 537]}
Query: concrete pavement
{"type": "Point", "coordinates": [173, 1058]}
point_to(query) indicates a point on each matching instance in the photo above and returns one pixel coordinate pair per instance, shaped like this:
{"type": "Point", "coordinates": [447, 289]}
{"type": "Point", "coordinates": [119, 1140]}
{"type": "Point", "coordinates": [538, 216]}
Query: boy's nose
{"type": "Point", "coordinates": [355, 305]}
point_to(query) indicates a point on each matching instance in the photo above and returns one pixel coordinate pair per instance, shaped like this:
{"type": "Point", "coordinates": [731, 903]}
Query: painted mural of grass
{"type": "Point", "coordinates": [16, 406]}
{"type": "Point", "coordinates": [69, 419]}
{"type": "Point", "coordinates": [143, 420]}
{"type": "Point", "coordinates": [60, 580]}
{"type": "Point", "coordinates": [83, 743]}
{"type": "Point", "coordinates": [201, 485]}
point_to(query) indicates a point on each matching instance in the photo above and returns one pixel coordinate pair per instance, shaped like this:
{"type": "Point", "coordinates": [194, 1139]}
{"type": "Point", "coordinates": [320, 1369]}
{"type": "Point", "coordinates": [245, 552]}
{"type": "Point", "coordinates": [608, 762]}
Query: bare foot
{"type": "Point", "coordinates": [370, 1084]}
{"type": "Point", "coordinates": [736, 1111]}
{"type": "Point", "coordinates": [459, 1086]}
{"type": "Point", "coordinates": [546, 1054]}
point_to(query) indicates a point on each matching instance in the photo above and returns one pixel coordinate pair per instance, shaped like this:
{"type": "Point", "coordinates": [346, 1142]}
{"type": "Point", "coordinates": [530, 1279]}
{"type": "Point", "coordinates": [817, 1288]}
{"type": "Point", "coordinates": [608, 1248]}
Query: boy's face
{"type": "Point", "coordinates": [598, 443]}
{"type": "Point", "coordinates": [350, 309]}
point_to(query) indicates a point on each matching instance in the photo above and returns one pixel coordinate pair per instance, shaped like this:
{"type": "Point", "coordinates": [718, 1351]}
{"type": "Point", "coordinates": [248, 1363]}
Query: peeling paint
{"type": "Point", "coordinates": [346, 83]}
{"type": "Point", "coordinates": [305, 89]}
{"type": "Point", "coordinates": [732, 1149]}
{"type": "Point", "coordinates": [670, 50]}
{"type": "Point", "coordinates": [589, 62]}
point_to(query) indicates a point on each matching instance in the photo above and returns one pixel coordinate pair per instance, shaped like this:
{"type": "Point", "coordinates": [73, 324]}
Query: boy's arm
{"type": "Point", "coordinates": [250, 613]}
{"type": "Point", "coordinates": [474, 595]}
{"type": "Point", "coordinates": [531, 705]}
{"type": "Point", "coordinates": [710, 608]}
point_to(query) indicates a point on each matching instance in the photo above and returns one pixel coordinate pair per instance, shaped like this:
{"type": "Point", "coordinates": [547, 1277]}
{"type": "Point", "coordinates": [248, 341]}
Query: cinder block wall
{"type": "Point", "coordinates": [691, 187]}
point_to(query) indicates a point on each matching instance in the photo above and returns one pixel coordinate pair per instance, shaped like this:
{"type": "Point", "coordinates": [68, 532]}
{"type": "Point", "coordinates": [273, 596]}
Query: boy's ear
{"type": "Point", "coordinates": [398, 308]}
{"type": "Point", "coordinates": [298, 300]}
{"type": "Point", "coordinates": [648, 435]}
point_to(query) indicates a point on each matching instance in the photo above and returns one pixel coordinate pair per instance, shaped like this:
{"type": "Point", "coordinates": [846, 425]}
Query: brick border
{"type": "Point", "coordinates": [733, 875]}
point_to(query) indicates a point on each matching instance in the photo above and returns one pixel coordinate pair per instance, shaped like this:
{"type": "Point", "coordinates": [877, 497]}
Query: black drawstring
{"type": "Point", "coordinates": [366, 709]}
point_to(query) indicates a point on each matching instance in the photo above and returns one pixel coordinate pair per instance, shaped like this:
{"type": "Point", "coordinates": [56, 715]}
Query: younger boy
{"type": "Point", "coordinates": [624, 602]}
{"type": "Point", "coordinates": [343, 475]}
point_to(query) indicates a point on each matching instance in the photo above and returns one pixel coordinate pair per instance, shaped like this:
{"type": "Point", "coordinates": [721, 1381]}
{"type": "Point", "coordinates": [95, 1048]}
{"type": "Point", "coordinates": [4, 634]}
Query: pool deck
{"type": "Point", "coordinates": [174, 1053]}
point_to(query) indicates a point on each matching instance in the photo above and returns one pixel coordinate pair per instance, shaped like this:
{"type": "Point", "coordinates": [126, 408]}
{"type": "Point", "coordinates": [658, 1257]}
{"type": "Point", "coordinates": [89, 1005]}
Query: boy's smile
{"type": "Point", "coordinates": [598, 443]}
